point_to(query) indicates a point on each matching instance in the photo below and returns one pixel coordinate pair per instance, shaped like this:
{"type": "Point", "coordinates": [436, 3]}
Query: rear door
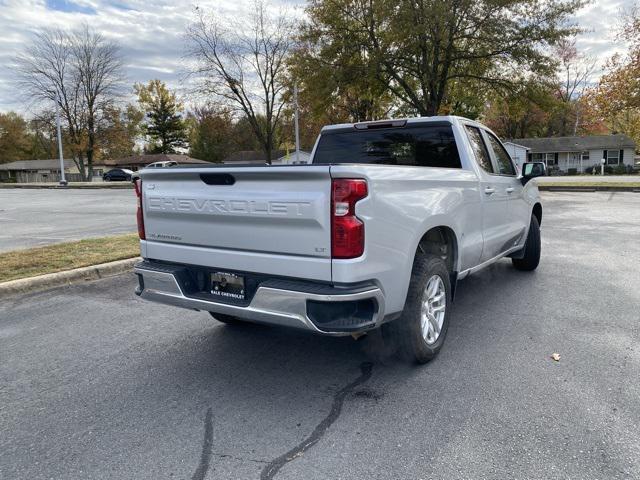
{"type": "Point", "coordinates": [495, 207]}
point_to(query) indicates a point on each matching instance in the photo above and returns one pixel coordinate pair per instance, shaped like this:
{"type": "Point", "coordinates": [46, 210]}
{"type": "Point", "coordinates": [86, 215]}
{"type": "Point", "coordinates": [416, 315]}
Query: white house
{"type": "Point", "coordinates": [519, 153]}
{"type": "Point", "coordinates": [290, 158]}
{"type": "Point", "coordinates": [579, 153]}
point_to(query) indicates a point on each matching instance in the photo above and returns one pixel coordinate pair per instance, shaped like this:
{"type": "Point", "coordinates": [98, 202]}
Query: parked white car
{"type": "Point", "coordinates": [375, 232]}
{"type": "Point", "coordinates": [169, 163]}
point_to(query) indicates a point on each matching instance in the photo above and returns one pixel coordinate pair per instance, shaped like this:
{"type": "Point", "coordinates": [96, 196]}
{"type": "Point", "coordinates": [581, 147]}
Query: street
{"type": "Point", "coordinates": [30, 217]}
{"type": "Point", "coordinates": [98, 384]}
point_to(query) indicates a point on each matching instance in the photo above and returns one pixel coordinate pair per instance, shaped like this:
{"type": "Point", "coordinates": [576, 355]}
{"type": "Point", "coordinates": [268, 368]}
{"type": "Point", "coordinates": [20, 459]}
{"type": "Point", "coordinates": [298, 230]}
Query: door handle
{"type": "Point", "coordinates": [509, 189]}
{"type": "Point", "coordinates": [489, 190]}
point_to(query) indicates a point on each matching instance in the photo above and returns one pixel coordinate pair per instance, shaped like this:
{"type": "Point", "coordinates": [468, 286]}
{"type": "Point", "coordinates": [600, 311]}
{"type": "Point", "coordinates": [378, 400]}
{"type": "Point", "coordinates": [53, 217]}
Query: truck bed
{"type": "Point", "coordinates": [247, 216]}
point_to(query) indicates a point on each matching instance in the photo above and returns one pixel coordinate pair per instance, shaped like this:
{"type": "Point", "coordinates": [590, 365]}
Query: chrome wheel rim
{"type": "Point", "coordinates": [434, 305]}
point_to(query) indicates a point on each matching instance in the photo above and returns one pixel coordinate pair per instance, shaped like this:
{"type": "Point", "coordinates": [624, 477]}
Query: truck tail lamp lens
{"type": "Point", "coordinates": [347, 230]}
{"type": "Point", "coordinates": [137, 185]}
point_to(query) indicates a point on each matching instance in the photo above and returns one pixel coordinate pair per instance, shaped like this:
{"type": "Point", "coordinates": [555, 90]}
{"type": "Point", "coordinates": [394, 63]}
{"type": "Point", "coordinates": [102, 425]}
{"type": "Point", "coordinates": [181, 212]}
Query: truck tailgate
{"type": "Point", "coordinates": [243, 216]}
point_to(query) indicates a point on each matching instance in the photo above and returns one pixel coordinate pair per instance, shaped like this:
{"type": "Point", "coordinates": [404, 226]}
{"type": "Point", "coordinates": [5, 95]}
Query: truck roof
{"type": "Point", "coordinates": [408, 120]}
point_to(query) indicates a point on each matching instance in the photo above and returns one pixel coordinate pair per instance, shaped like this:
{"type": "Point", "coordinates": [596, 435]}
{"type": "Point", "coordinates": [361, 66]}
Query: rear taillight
{"type": "Point", "coordinates": [347, 230]}
{"type": "Point", "coordinates": [137, 185]}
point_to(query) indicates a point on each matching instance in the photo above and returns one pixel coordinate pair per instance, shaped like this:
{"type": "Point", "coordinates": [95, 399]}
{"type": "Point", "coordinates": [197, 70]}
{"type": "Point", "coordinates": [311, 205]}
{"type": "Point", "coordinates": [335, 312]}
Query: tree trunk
{"type": "Point", "coordinates": [79, 161]}
{"type": "Point", "coordinates": [268, 150]}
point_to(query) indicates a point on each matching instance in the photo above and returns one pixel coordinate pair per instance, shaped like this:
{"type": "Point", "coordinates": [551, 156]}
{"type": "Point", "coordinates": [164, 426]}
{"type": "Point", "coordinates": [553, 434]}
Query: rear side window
{"type": "Point", "coordinates": [479, 148]}
{"type": "Point", "coordinates": [420, 146]}
{"type": "Point", "coordinates": [502, 156]}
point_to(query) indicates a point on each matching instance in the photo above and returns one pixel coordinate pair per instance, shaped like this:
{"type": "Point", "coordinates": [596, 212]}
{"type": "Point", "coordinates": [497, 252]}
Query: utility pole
{"type": "Point", "coordinates": [295, 101]}
{"type": "Point", "coordinates": [63, 180]}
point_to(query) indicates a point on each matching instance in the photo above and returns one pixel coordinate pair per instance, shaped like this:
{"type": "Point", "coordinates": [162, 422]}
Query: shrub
{"type": "Point", "coordinates": [572, 171]}
{"type": "Point", "coordinates": [619, 169]}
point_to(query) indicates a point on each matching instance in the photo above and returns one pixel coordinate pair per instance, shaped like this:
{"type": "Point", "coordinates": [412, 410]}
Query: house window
{"type": "Point", "coordinates": [613, 157]}
{"type": "Point", "coordinates": [585, 156]}
{"type": "Point", "coordinates": [537, 157]}
{"type": "Point", "coordinates": [551, 159]}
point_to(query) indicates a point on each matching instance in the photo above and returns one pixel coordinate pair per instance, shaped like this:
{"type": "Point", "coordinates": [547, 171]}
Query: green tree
{"type": "Point", "coordinates": [119, 131]}
{"type": "Point", "coordinates": [336, 78]}
{"type": "Point", "coordinates": [163, 122]}
{"type": "Point", "coordinates": [427, 51]}
{"type": "Point", "coordinates": [617, 96]}
{"type": "Point", "coordinates": [211, 133]}
{"type": "Point", "coordinates": [522, 112]}
{"type": "Point", "coordinates": [15, 141]}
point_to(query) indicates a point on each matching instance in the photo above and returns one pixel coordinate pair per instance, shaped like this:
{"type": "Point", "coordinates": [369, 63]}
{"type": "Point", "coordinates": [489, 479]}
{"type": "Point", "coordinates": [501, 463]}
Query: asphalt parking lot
{"type": "Point", "coordinates": [34, 217]}
{"type": "Point", "coordinates": [97, 384]}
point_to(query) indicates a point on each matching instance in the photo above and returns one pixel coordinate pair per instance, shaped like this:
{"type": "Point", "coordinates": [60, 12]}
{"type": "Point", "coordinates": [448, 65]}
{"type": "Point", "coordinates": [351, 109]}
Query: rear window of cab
{"type": "Point", "coordinates": [414, 145]}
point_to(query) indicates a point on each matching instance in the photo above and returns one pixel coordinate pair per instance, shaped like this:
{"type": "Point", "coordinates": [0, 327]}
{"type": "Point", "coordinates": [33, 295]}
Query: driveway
{"type": "Point", "coordinates": [35, 217]}
{"type": "Point", "coordinates": [97, 384]}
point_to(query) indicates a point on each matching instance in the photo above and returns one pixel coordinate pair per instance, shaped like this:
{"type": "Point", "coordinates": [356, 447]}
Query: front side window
{"type": "Point", "coordinates": [416, 145]}
{"type": "Point", "coordinates": [479, 148]}
{"type": "Point", "coordinates": [505, 165]}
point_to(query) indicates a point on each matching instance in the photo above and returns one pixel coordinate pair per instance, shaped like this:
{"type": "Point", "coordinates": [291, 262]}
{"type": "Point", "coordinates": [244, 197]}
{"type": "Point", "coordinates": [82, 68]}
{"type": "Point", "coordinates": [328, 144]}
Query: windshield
{"type": "Point", "coordinates": [421, 145]}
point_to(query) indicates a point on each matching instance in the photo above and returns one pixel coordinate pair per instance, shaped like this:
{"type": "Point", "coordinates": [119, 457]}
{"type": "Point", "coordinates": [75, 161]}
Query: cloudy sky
{"type": "Point", "coordinates": [151, 32]}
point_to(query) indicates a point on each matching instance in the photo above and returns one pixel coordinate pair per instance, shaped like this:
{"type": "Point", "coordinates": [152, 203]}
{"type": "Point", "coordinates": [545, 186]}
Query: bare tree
{"type": "Point", "coordinates": [575, 70]}
{"type": "Point", "coordinates": [99, 67]}
{"type": "Point", "coordinates": [81, 72]}
{"type": "Point", "coordinates": [243, 64]}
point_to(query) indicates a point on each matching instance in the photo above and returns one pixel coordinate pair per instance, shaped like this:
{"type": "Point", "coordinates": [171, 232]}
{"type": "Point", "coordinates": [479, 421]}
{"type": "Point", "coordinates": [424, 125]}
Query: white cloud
{"type": "Point", "coordinates": [152, 32]}
{"type": "Point", "coordinates": [602, 22]}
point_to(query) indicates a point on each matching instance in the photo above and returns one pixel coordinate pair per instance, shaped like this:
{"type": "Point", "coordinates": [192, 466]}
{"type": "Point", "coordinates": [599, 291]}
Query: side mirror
{"type": "Point", "coordinates": [532, 170]}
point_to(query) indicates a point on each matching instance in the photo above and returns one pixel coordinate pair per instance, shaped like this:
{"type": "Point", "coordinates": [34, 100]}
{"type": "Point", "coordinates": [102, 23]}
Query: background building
{"type": "Point", "coordinates": [579, 153]}
{"type": "Point", "coordinates": [519, 153]}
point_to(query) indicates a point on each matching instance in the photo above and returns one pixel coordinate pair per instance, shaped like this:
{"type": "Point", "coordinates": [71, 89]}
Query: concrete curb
{"type": "Point", "coordinates": [68, 277]}
{"type": "Point", "coordinates": [71, 186]}
{"type": "Point", "coordinates": [587, 188]}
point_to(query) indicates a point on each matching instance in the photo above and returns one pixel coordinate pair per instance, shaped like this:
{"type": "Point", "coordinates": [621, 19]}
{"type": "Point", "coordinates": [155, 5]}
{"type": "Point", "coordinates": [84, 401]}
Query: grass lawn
{"type": "Point", "coordinates": [593, 183]}
{"type": "Point", "coordinates": [66, 256]}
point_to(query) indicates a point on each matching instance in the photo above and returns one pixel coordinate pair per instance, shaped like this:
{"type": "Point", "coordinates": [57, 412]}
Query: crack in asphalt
{"type": "Point", "coordinates": [269, 471]}
{"type": "Point", "coordinates": [243, 459]}
{"type": "Point", "coordinates": [207, 448]}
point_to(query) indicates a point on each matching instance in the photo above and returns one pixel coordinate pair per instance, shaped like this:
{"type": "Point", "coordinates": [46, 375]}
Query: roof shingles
{"type": "Point", "coordinates": [576, 144]}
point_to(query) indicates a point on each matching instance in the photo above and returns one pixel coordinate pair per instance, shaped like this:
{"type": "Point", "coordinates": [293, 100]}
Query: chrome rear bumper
{"type": "Point", "coordinates": [274, 306]}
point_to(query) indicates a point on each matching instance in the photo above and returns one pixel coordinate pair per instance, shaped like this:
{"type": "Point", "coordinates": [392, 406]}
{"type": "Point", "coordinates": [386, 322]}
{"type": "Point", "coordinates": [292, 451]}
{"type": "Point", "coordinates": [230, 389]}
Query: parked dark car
{"type": "Point", "coordinates": [118, 174]}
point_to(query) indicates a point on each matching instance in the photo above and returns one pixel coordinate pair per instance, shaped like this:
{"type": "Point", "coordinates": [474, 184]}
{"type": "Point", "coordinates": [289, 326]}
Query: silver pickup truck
{"type": "Point", "coordinates": [376, 231]}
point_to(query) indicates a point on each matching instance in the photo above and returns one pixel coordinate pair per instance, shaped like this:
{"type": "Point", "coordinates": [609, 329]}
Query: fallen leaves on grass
{"type": "Point", "coordinates": [66, 256]}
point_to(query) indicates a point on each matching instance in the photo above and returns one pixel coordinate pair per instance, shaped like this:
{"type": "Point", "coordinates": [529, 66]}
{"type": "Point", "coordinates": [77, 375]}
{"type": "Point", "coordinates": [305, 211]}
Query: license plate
{"type": "Point", "coordinates": [227, 285]}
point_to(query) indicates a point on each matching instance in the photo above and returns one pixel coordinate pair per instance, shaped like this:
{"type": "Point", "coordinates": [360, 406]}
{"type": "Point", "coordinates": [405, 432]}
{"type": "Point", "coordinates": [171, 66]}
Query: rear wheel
{"type": "Point", "coordinates": [532, 248]}
{"type": "Point", "coordinates": [228, 319]}
{"type": "Point", "coordinates": [421, 330]}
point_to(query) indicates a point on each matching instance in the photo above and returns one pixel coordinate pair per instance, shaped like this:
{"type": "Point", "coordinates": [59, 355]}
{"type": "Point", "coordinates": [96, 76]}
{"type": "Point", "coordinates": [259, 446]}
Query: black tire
{"type": "Point", "coordinates": [406, 331]}
{"type": "Point", "coordinates": [532, 248]}
{"type": "Point", "coordinates": [228, 319]}
{"type": "Point", "coordinates": [107, 179]}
